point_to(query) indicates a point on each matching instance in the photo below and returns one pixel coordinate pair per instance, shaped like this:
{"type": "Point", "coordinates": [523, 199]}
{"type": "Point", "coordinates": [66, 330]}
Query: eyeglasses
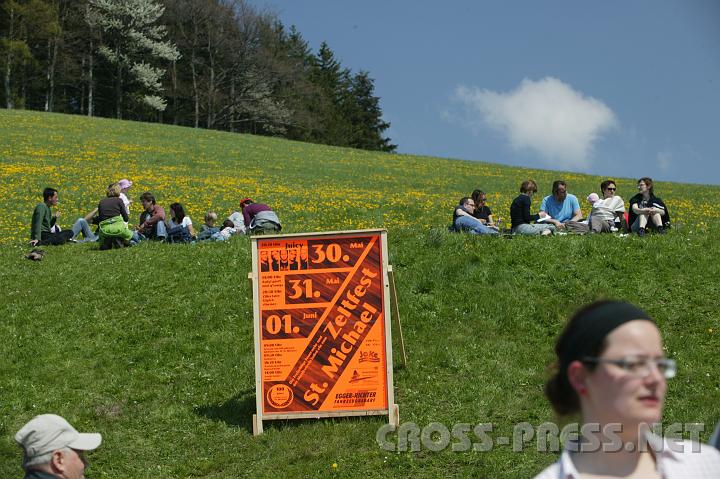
{"type": "Point", "coordinates": [611, 189]}
{"type": "Point", "coordinates": [640, 367]}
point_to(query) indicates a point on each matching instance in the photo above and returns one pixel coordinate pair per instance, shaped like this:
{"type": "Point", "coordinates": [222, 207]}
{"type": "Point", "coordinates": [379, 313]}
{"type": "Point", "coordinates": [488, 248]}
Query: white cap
{"type": "Point", "coordinates": [49, 432]}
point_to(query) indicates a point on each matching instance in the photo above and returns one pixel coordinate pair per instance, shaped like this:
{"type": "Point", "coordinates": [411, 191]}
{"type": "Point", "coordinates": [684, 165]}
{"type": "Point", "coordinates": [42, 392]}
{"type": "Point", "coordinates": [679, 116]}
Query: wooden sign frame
{"type": "Point", "coordinates": [272, 293]}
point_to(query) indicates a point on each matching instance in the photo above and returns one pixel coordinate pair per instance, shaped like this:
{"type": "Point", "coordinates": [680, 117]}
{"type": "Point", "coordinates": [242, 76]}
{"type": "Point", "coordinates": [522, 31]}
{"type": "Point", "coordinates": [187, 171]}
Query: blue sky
{"type": "Point", "coordinates": [613, 88]}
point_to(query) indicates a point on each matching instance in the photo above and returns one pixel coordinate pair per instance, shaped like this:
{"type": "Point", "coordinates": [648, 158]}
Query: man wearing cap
{"type": "Point", "coordinates": [258, 217]}
{"type": "Point", "coordinates": [54, 449]}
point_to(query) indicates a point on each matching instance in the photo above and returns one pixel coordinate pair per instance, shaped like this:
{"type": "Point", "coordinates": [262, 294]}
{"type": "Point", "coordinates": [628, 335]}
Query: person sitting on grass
{"type": "Point", "coordinates": [259, 218]}
{"type": "Point", "coordinates": [520, 216]}
{"type": "Point", "coordinates": [482, 211]}
{"type": "Point", "coordinates": [179, 226]}
{"type": "Point", "coordinates": [208, 228]}
{"type": "Point", "coordinates": [605, 211]}
{"type": "Point", "coordinates": [43, 220]}
{"type": "Point", "coordinates": [463, 220]}
{"type": "Point", "coordinates": [560, 207]}
{"type": "Point", "coordinates": [152, 220]}
{"type": "Point", "coordinates": [112, 218]}
{"type": "Point", "coordinates": [124, 187]}
{"type": "Point", "coordinates": [647, 210]}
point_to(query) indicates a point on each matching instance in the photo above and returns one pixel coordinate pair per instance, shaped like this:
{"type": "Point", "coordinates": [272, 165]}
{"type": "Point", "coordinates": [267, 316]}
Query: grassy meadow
{"type": "Point", "coordinates": [152, 346]}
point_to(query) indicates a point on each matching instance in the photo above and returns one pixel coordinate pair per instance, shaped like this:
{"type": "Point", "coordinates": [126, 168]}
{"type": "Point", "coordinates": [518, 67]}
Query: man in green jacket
{"type": "Point", "coordinates": [44, 219]}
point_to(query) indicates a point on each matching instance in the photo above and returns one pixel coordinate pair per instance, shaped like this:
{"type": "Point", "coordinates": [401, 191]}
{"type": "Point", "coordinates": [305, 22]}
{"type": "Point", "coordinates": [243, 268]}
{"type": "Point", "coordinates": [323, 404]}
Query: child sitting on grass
{"type": "Point", "coordinates": [208, 228]}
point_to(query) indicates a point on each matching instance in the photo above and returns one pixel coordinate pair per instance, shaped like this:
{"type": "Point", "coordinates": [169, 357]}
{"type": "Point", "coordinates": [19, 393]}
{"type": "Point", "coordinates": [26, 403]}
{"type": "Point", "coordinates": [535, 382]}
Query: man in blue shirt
{"type": "Point", "coordinates": [561, 206]}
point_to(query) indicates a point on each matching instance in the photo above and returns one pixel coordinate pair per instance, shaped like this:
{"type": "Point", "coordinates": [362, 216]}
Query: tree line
{"type": "Point", "coordinates": [218, 64]}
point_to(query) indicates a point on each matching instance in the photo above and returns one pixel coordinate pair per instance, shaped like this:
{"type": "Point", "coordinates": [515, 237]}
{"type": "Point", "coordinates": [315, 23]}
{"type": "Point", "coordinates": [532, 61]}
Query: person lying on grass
{"type": "Point", "coordinates": [520, 216]}
{"type": "Point", "coordinates": [463, 219]}
{"type": "Point", "coordinates": [43, 220]}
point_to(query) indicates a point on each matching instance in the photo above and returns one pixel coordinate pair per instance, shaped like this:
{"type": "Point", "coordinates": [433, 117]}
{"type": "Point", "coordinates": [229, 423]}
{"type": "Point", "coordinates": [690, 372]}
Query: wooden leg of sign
{"type": "Point", "coordinates": [394, 416]}
{"type": "Point", "coordinates": [250, 279]}
{"type": "Point", "coordinates": [257, 426]}
{"type": "Point", "coordinates": [396, 311]}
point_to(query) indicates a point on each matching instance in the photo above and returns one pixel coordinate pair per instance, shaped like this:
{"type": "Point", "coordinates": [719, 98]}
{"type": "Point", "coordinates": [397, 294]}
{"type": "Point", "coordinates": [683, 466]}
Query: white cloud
{"type": "Point", "coordinates": [664, 158]}
{"type": "Point", "coordinates": [546, 116]}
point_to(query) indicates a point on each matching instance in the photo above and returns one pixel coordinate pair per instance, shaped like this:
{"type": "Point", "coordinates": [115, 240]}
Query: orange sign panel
{"type": "Point", "coordinates": [322, 342]}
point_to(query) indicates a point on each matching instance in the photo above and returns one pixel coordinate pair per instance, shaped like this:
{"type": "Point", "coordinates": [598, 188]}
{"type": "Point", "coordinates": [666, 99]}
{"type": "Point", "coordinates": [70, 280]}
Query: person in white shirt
{"type": "Point", "coordinates": [124, 187]}
{"type": "Point", "coordinates": [612, 370]}
{"type": "Point", "coordinates": [179, 218]}
{"type": "Point", "coordinates": [605, 211]}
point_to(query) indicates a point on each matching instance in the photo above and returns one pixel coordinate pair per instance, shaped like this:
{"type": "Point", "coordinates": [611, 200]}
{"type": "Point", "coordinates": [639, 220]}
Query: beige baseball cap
{"type": "Point", "coordinates": [49, 432]}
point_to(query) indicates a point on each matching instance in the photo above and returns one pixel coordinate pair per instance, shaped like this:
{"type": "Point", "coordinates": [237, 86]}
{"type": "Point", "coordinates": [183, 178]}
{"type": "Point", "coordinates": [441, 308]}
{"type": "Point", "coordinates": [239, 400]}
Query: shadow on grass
{"type": "Point", "coordinates": [236, 411]}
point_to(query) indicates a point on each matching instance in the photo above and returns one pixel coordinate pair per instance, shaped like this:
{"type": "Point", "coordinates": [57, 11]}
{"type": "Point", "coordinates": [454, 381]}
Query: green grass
{"type": "Point", "coordinates": [152, 346]}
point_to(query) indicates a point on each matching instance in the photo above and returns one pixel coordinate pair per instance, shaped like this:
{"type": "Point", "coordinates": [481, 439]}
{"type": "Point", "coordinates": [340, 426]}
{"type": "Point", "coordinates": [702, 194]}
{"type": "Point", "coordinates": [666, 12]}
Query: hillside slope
{"type": "Point", "coordinates": [152, 346]}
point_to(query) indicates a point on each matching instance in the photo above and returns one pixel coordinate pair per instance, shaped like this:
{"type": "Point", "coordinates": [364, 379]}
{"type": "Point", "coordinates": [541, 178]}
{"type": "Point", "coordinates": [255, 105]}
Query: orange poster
{"type": "Point", "coordinates": [321, 308]}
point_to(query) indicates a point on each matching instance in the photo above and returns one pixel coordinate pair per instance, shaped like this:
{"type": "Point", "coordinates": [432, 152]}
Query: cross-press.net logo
{"type": "Point", "coordinates": [545, 437]}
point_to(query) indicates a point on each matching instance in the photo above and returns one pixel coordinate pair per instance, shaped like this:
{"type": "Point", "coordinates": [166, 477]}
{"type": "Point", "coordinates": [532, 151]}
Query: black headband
{"type": "Point", "coordinates": [590, 329]}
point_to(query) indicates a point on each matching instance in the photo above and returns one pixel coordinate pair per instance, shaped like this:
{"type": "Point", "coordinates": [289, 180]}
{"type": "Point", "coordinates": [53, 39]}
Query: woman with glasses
{"type": "Point", "coordinates": [608, 211]}
{"type": "Point", "coordinates": [612, 370]}
{"type": "Point", "coordinates": [482, 210]}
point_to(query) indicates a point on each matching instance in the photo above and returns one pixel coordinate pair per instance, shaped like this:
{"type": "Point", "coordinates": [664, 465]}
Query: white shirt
{"type": "Point", "coordinates": [126, 201]}
{"type": "Point", "coordinates": [238, 220]}
{"type": "Point", "coordinates": [676, 459]}
{"type": "Point", "coordinates": [185, 222]}
{"type": "Point", "coordinates": [607, 208]}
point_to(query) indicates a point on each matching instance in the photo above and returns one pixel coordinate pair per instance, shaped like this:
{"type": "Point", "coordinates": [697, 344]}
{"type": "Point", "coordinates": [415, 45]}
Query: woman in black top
{"type": "Point", "coordinates": [482, 211]}
{"type": "Point", "coordinates": [520, 213]}
{"type": "Point", "coordinates": [647, 210]}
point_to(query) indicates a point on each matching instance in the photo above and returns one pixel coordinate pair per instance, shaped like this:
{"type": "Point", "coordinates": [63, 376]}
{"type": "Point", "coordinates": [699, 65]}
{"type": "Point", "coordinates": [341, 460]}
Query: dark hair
{"type": "Point", "coordinates": [558, 389]}
{"type": "Point", "coordinates": [477, 194]}
{"type": "Point", "coordinates": [606, 183]}
{"type": "Point", "coordinates": [177, 212]}
{"type": "Point", "coordinates": [48, 193]}
{"type": "Point", "coordinates": [228, 224]}
{"type": "Point", "coordinates": [463, 200]}
{"type": "Point", "coordinates": [527, 186]}
{"type": "Point", "coordinates": [557, 184]}
{"type": "Point", "coordinates": [649, 183]}
{"type": "Point", "coordinates": [147, 196]}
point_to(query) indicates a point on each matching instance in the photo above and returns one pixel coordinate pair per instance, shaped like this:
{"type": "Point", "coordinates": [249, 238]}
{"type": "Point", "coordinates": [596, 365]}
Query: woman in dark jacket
{"type": "Point", "coordinates": [112, 217]}
{"type": "Point", "coordinates": [647, 210]}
